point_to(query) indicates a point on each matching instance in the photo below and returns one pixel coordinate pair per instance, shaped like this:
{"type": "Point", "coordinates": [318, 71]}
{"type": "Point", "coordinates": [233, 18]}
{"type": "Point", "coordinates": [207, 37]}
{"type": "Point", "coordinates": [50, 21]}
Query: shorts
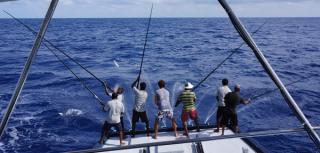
{"type": "Point", "coordinates": [165, 114]}
{"type": "Point", "coordinates": [229, 116]}
{"type": "Point", "coordinates": [193, 114]}
{"type": "Point", "coordinates": [220, 112]}
{"type": "Point", "coordinates": [107, 126]}
{"type": "Point", "coordinates": [139, 115]}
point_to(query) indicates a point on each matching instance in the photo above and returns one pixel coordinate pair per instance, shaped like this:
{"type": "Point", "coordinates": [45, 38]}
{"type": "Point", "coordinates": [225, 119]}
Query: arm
{"type": "Point", "coordinates": [106, 89]}
{"type": "Point", "coordinates": [217, 97]}
{"type": "Point", "coordinates": [156, 99]}
{"type": "Point", "coordinates": [178, 102]}
{"type": "Point", "coordinates": [134, 83]}
{"type": "Point", "coordinates": [105, 107]}
{"type": "Point", "coordinates": [245, 101]}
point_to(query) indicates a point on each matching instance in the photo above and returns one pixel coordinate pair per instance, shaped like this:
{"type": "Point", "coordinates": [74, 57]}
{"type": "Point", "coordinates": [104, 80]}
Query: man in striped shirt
{"type": "Point", "coordinates": [188, 98]}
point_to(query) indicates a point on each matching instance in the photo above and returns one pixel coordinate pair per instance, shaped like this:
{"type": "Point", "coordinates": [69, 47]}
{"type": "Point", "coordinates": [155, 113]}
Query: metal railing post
{"type": "Point", "coordinates": [267, 67]}
{"type": "Point", "coordinates": [27, 65]}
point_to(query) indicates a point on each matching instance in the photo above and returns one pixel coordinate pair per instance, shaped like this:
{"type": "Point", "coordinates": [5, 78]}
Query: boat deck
{"type": "Point", "coordinates": [235, 145]}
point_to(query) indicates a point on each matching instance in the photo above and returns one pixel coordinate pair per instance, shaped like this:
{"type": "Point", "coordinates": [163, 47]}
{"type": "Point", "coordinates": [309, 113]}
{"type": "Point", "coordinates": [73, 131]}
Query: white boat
{"type": "Point", "coordinates": [204, 141]}
{"type": "Point", "coordinates": [235, 145]}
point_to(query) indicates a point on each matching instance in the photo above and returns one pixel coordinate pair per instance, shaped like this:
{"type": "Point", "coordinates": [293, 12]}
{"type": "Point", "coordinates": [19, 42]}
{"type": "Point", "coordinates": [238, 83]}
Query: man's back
{"type": "Point", "coordinates": [163, 97]}
{"type": "Point", "coordinates": [232, 99]}
{"type": "Point", "coordinates": [188, 99]}
{"type": "Point", "coordinates": [114, 109]}
{"type": "Point", "coordinates": [140, 99]}
{"type": "Point", "coordinates": [221, 93]}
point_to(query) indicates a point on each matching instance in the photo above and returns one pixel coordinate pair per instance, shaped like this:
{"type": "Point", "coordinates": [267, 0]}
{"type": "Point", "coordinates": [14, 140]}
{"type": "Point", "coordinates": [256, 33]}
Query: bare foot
{"type": "Point", "coordinates": [100, 142]}
{"type": "Point", "coordinates": [122, 143]}
{"type": "Point", "coordinates": [176, 134]}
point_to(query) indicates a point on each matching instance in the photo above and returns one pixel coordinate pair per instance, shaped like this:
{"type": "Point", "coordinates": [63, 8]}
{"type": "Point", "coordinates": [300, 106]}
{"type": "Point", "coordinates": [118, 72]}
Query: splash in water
{"type": "Point", "coordinates": [72, 112]}
{"type": "Point", "coordinates": [176, 90]}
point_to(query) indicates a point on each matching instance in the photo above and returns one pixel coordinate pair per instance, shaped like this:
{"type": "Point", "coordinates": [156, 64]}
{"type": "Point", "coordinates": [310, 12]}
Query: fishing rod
{"type": "Point", "coordinates": [276, 89]}
{"type": "Point", "coordinates": [27, 66]}
{"type": "Point", "coordinates": [144, 46]}
{"type": "Point", "coordinates": [57, 48]}
{"type": "Point", "coordinates": [233, 51]}
{"type": "Point", "coordinates": [78, 78]}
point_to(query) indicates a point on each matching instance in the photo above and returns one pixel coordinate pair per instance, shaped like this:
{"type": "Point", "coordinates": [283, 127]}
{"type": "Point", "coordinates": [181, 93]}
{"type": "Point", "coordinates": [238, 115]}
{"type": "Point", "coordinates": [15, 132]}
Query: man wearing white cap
{"type": "Point", "coordinates": [188, 98]}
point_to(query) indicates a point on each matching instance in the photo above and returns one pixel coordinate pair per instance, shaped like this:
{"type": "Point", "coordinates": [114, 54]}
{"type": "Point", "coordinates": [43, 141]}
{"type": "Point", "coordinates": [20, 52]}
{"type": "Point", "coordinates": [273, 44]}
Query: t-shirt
{"type": "Point", "coordinates": [232, 99]}
{"type": "Point", "coordinates": [163, 100]}
{"type": "Point", "coordinates": [188, 97]}
{"type": "Point", "coordinates": [221, 93]}
{"type": "Point", "coordinates": [114, 109]}
{"type": "Point", "coordinates": [140, 100]}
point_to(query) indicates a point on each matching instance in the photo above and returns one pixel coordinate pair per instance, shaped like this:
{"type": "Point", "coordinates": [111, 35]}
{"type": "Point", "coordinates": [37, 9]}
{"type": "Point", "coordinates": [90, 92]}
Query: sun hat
{"type": "Point", "coordinates": [188, 85]}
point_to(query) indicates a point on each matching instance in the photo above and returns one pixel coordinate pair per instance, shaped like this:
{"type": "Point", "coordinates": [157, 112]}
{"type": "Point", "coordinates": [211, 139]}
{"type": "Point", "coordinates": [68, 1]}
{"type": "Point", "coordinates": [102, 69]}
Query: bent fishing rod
{"type": "Point", "coordinates": [78, 78]}
{"type": "Point", "coordinates": [57, 48]}
{"type": "Point", "coordinates": [144, 46]}
{"type": "Point", "coordinates": [233, 51]}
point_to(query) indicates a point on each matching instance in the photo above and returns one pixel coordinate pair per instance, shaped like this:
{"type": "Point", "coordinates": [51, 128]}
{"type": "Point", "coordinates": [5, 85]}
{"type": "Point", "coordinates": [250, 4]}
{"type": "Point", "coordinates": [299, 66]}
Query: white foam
{"type": "Point", "coordinates": [14, 135]}
{"type": "Point", "coordinates": [72, 112]}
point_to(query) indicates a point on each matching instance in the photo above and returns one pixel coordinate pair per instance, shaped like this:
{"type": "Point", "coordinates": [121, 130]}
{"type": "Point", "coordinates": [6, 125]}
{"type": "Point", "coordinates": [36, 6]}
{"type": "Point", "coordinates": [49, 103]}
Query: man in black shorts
{"type": "Point", "coordinates": [114, 109]}
{"type": "Point", "coordinates": [139, 110]}
{"type": "Point", "coordinates": [232, 99]}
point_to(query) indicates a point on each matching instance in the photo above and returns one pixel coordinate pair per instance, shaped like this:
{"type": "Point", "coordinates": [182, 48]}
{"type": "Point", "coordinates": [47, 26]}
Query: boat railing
{"type": "Point", "coordinates": [200, 139]}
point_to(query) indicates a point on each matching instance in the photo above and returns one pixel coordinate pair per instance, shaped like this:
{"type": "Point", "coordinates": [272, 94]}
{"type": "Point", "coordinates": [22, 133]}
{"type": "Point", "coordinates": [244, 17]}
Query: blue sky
{"type": "Point", "coordinates": [162, 8]}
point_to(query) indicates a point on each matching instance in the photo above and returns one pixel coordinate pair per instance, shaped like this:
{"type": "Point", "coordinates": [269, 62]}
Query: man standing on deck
{"type": "Point", "coordinates": [161, 99]}
{"type": "Point", "coordinates": [188, 98]}
{"type": "Point", "coordinates": [232, 99]}
{"type": "Point", "coordinates": [221, 92]}
{"type": "Point", "coordinates": [119, 91]}
{"type": "Point", "coordinates": [139, 110]}
{"type": "Point", "coordinates": [114, 109]}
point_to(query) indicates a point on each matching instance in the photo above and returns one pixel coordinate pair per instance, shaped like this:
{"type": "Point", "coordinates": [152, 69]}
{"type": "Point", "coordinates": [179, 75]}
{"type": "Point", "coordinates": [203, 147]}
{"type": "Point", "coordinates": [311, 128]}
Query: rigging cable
{"type": "Point", "coordinates": [228, 57]}
{"type": "Point", "coordinates": [144, 46]}
{"type": "Point", "coordinates": [64, 53]}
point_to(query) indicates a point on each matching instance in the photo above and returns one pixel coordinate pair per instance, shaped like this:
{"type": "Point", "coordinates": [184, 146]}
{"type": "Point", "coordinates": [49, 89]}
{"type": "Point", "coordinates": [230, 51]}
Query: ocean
{"type": "Point", "coordinates": [56, 114]}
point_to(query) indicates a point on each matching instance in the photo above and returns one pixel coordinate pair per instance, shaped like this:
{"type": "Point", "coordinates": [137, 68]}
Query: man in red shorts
{"type": "Point", "coordinates": [188, 99]}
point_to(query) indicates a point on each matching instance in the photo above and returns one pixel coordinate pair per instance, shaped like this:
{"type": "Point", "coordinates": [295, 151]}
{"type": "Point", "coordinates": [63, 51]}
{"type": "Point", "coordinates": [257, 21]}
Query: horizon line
{"type": "Point", "coordinates": [159, 17]}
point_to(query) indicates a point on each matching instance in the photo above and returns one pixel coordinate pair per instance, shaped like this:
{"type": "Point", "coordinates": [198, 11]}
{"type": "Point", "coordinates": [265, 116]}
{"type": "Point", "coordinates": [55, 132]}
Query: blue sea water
{"type": "Point", "coordinates": [55, 113]}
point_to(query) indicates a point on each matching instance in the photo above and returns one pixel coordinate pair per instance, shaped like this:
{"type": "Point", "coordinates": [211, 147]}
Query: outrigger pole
{"type": "Point", "coordinates": [145, 44]}
{"type": "Point", "coordinates": [267, 67]}
{"type": "Point", "coordinates": [27, 66]}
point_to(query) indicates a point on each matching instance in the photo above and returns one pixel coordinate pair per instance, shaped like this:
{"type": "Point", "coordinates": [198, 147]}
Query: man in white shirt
{"type": "Point", "coordinates": [139, 110]}
{"type": "Point", "coordinates": [119, 91]}
{"type": "Point", "coordinates": [161, 99]}
{"type": "Point", "coordinates": [221, 93]}
{"type": "Point", "coordinates": [114, 110]}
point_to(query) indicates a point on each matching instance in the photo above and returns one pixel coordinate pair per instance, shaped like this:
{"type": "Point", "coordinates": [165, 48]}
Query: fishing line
{"type": "Point", "coordinates": [80, 80]}
{"type": "Point", "coordinates": [228, 57]}
{"type": "Point", "coordinates": [276, 89]}
{"type": "Point", "coordinates": [144, 46]}
{"type": "Point", "coordinates": [64, 53]}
